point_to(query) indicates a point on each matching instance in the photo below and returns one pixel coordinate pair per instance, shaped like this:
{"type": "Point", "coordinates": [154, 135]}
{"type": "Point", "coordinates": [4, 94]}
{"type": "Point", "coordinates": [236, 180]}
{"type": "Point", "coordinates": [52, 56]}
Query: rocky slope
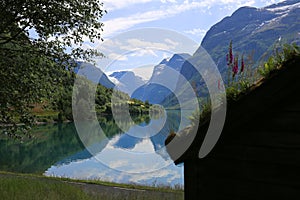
{"type": "Point", "coordinates": [163, 80]}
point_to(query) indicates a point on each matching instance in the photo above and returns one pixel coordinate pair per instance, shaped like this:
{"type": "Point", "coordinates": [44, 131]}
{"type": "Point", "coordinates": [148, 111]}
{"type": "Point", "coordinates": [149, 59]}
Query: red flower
{"type": "Point", "coordinates": [229, 56]}
{"type": "Point", "coordinates": [235, 68]}
{"type": "Point", "coordinates": [242, 65]}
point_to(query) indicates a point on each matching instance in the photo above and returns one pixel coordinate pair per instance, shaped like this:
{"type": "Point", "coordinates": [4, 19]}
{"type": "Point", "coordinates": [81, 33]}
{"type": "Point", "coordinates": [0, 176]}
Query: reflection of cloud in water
{"type": "Point", "coordinates": [137, 145]}
{"type": "Point", "coordinates": [145, 146]}
{"type": "Point", "coordinates": [118, 163]}
{"type": "Point", "coordinates": [136, 165]}
{"type": "Point", "coordinates": [125, 158]}
{"type": "Point", "coordinates": [92, 169]}
{"type": "Point", "coordinates": [167, 174]}
{"type": "Point", "coordinates": [141, 158]}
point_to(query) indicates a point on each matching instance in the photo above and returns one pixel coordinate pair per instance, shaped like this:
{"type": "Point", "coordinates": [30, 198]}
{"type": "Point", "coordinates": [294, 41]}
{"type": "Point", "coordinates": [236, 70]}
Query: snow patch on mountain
{"type": "Point", "coordinates": [282, 9]}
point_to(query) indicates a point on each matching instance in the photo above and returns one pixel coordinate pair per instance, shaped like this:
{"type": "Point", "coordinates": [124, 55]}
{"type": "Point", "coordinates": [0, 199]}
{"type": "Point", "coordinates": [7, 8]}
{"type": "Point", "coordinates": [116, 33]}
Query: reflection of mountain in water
{"type": "Point", "coordinates": [128, 142]}
{"type": "Point", "coordinates": [60, 145]}
{"type": "Point", "coordinates": [158, 140]}
{"type": "Point", "coordinates": [82, 155]}
{"type": "Point", "coordinates": [51, 143]}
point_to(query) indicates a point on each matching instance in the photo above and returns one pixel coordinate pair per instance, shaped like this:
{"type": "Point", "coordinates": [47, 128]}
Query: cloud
{"type": "Point", "coordinates": [144, 72]}
{"type": "Point", "coordinates": [171, 42]}
{"type": "Point", "coordinates": [146, 146]}
{"type": "Point", "coordinates": [115, 56]}
{"type": "Point", "coordinates": [118, 164]}
{"type": "Point", "coordinates": [166, 1]}
{"type": "Point", "coordinates": [134, 43]}
{"type": "Point", "coordinates": [196, 31]}
{"type": "Point", "coordinates": [111, 5]}
{"type": "Point", "coordinates": [123, 50]}
{"type": "Point", "coordinates": [123, 23]}
{"type": "Point", "coordinates": [164, 11]}
{"type": "Point", "coordinates": [143, 52]}
{"type": "Point", "coordinates": [134, 47]}
{"type": "Point", "coordinates": [170, 175]}
{"type": "Point", "coordinates": [113, 79]}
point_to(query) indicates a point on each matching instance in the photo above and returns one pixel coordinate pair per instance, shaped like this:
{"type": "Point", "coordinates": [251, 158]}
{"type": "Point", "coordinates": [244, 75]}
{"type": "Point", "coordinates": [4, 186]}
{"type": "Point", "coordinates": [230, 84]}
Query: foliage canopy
{"type": "Point", "coordinates": [39, 39]}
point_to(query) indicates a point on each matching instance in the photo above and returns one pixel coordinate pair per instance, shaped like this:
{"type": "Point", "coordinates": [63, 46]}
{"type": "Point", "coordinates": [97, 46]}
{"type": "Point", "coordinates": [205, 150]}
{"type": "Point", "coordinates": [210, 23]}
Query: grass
{"type": "Point", "coordinates": [28, 186]}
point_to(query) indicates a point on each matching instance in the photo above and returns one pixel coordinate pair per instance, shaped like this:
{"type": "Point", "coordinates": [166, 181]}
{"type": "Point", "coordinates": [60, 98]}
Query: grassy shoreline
{"type": "Point", "coordinates": [32, 186]}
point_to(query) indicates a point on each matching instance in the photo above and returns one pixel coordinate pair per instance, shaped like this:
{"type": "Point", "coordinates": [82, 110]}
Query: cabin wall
{"type": "Point", "coordinates": [257, 160]}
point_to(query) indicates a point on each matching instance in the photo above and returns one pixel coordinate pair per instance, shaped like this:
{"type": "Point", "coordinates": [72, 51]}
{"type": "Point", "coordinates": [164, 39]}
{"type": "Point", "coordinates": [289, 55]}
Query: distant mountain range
{"type": "Point", "coordinates": [162, 81]}
{"type": "Point", "coordinates": [93, 74]}
{"type": "Point", "coordinates": [126, 81]}
{"type": "Point", "coordinates": [253, 31]}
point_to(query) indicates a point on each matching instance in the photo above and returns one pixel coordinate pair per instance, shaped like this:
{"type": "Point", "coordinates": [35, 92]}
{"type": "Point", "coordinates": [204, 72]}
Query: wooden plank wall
{"type": "Point", "coordinates": [259, 160]}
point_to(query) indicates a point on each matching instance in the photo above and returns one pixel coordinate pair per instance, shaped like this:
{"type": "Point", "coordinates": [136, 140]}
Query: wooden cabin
{"type": "Point", "coordinates": [258, 153]}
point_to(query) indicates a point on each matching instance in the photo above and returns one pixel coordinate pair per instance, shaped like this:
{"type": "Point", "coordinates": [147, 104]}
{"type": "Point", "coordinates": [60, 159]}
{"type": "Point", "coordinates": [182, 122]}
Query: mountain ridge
{"type": "Point", "coordinates": [93, 74]}
{"type": "Point", "coordinates": [253, 31]}
{"type": "Point", "coordinates": [158, 87]}
{"type": "Point", "coordinates": [127, 81]}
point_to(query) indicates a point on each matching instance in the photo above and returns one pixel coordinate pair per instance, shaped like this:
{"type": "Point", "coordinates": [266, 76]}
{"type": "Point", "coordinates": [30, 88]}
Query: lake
{"type": "Point", "coordinates": [121, 156]}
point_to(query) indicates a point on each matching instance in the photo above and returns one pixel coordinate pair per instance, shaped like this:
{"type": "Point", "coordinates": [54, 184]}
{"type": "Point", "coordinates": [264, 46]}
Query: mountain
{"type": "Point", "coordinates": [162, 81]}
{"type": "Point", "coordinates": [126, 81]}
{"type": "Point", "coordinates": [254, 32]}
{"type": "Point", "coordinates": [93, 74]}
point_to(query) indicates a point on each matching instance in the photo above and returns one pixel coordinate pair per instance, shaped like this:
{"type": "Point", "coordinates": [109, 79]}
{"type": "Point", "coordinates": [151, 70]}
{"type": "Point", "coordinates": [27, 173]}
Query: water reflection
{"type": "Point", "coordinates": [58, 151]}
{"type": "Point", "coordinates": [125, 157]}
{"type": "Point", "coordinates": [51, 143]}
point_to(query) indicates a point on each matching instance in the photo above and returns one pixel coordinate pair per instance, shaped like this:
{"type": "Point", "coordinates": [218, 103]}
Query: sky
{"type": "Point", "coordinates": [191, 18]}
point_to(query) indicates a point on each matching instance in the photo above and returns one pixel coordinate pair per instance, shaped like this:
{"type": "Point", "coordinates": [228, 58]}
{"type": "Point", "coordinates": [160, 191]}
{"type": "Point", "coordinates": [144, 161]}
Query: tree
{"type": "Point", "coordinates": [58, 24]}
{"type": "Point", "coordinates": [32, 68]}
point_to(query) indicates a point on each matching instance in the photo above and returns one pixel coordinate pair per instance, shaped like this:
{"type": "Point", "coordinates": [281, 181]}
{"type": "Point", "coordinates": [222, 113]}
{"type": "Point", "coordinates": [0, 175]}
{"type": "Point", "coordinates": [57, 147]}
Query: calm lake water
{"type": "Point", "coordinates": [57, 150]}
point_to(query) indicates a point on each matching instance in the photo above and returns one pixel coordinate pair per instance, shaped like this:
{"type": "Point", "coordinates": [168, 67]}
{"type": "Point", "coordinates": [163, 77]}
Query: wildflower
{"type": "Point", "coordinates": [235, 68]}
{"type": "Point", "coordinates": [229, 56]}
{"type": "Point", "coordinates": [242, 64]}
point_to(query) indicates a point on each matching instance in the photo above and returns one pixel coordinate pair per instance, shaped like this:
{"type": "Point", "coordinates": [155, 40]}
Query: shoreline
{"type": "Point", "coordinates": [123, 186]}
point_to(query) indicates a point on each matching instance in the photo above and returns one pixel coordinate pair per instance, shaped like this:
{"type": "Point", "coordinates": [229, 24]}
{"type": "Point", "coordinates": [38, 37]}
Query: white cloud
{"type": "Point", "coordinates": [163, 173]}
{"type": "Point", "coordinates": [119, 50]}
{"type": "Point", "coordinates": [162, 9]}
{"type": "Point", "coordinates": [113, 79]}
{"type": "Point", "coordinates": [146, 146]}
{"type": "Point", "coordinates": [196, 31]}
{"type": "Point", "coordinates": [166, 1]}
{"type": "Point", "coordinates": [144, 72]}
{"type": "Point", "coordinates": [171, 42]}
{"type": "Point", "coordinates": [143, 52]}
{"type": "Point", "coordinates": [111, 5]}
{"type": "Point", "coordinates": [119, 24]}
{"type": "Point", "coordinates": [115, 56]}
{"type": "Point", "coordinates": [134, 43]}
{"type": "Point", "coordinates": [118, 164]}
{"type": "Point", "coordinates": [123, 23]}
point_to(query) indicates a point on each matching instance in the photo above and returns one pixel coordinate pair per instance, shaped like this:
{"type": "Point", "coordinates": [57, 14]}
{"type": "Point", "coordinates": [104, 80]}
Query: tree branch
{"type": "Point", "coordinates": [16, 35]}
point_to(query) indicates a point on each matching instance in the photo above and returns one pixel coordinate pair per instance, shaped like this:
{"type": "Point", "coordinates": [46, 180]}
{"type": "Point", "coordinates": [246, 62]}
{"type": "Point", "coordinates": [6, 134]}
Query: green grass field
{"type": "Point", "coordinates": [20, 186]}
{"type": "Point", "coordinates": [29, 188]}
